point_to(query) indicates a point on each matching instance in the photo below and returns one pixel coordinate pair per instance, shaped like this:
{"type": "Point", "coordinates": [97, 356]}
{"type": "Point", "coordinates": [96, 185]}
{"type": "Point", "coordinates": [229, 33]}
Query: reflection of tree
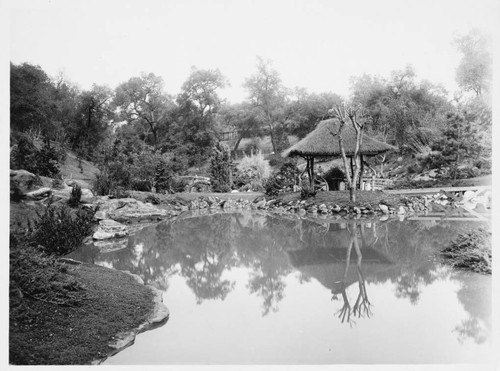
{"type": "Point", "coordinates": [362, 305]}
{"type": "Point", "coordinates": [475, 296]}
{"type": "Point", "coordinates": [267, 277]}
{"type": "Point", "coordinates": [207, 256]}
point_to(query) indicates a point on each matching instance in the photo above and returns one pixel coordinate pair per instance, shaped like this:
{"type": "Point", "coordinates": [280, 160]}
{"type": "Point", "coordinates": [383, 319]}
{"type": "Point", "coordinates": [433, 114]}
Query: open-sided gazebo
{"type": "Point", "coordinates": [323, 142]}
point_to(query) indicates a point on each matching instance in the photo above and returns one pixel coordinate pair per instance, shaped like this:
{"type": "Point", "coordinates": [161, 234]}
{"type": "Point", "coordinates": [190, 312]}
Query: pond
{"type": "Point", "coordinates": [257, 288]}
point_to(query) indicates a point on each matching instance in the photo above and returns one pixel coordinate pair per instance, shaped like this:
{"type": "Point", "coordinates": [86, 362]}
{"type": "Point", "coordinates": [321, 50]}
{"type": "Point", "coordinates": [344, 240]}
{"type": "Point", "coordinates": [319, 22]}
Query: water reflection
{"type": "Point", "coordinates": [349, 258]}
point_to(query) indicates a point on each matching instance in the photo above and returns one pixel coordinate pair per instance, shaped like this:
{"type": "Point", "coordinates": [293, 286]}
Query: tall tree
{"type": "Point", "coordinates": [142, 99]}
{"type": "Point", "coordinates": [92, 119]}
{"type": "Point", "coordinates": [268, 95]}
{"type": "Point", "coordinates": [357, 117]}
{"type": "Point", "coordinates": [31, 99]}
{"type": "Point", "coordinates": [193, 132]}
{"type": "Point", "coordinates": [475, 69]}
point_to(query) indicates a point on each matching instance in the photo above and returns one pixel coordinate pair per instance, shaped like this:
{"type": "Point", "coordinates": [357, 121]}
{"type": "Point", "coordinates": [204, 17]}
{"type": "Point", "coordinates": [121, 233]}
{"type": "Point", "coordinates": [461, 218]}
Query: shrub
{"type": "Point", "coordinates": [58, 231]}
{"type": "Point", "coordinates": [471, 251]}
{"type": "Point", "coordinates": [155, 200]}
{"type": "Point", "coordinates": [75, 196]}
{"type": "Point", "coordinates": [103, 185]}
{"type": "Point", "coordinates": [282, 180]}
{"type": "Point", "coordinates": [25, 155]}
{"type": "Point", "coordinates": [179, 184]}
{"type": "Point", "coordinates": [220, 169]}
{"type": "Point", "coordinates": [273, 185]}
{"type": "Point", "coordinates": [163, 177]}
{"type": "Point", "coordinates": [140, 185]}
{"type": "Point", "coordinates": [254, 169]}
{"type": "Point", "coordinates": [307, 192]}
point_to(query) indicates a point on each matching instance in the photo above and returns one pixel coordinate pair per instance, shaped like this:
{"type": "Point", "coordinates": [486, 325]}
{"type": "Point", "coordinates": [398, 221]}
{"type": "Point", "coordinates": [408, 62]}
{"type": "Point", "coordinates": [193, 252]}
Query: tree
{"type": "Point", "coordinates": [268, 95]}
{"type": "Point", "coordinates": [141, 99]}
{"type": "Point", "coordinates": [305, 110]}
{"type": "Point", "coordinates": [31, 99]}
{"type": "Point", "coordinates": [475, 69]}
{"type": "Point", "coordinates": [242, 119]}
{"type": "Point", "coordinates": [401, 109]}
{"type": "Point", "coordinates": [357, 117]}
{"type": "Point", "coordinates": [193, 132]}
{"type": "Point", "coordinates": [92, 118]}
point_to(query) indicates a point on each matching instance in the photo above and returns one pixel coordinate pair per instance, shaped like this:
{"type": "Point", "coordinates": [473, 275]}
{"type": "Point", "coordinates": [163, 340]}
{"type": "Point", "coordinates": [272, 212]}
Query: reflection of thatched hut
{"type": "Point", "coordinates": [328, 265]}
{"type": "Point", "coordinates": [323, 142]}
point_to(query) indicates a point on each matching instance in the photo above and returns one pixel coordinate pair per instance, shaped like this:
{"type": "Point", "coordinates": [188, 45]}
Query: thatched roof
{"type": "Point", "coordinates": [323, 141]}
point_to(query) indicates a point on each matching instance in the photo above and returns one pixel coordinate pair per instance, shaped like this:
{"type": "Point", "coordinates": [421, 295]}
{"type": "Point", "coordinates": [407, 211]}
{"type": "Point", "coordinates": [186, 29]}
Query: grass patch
{"type": "Point", "coordinates": [45, 333]}
{"type": "Point", "coordinates": [470, 251]}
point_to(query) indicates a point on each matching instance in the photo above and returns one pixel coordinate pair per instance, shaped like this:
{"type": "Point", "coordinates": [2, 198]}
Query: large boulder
{"type": "Point", "coordinates": [39, 194]}
{"type": "Point", "coordinates": [64, 195]}
{"type": "Point", "coordinates": [24, 181]}
{"type": "Point", "coordinates": [131, 210]}
{"type": "Point", "coordinates": [110, 229]}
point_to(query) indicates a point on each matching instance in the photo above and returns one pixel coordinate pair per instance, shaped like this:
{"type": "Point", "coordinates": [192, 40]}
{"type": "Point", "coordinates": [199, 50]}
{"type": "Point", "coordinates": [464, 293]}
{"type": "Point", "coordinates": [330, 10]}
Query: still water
{"type": "Point", "coordinates": [248, 287]}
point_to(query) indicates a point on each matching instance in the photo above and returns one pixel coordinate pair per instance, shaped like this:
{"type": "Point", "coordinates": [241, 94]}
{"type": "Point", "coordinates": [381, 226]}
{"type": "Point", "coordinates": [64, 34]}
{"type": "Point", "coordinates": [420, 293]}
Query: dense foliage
{"type": "Point", "coordinates": [142, 137]}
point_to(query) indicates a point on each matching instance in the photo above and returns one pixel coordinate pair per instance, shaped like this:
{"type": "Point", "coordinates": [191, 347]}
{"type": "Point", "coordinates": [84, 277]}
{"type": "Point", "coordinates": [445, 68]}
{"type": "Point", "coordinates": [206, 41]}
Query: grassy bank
{"type": "Point", "coordinates": [63, 313]}
{"type": "Point", "coordinates": [42, 331]}
{"type": "Point", "coordinates": [470, 251]}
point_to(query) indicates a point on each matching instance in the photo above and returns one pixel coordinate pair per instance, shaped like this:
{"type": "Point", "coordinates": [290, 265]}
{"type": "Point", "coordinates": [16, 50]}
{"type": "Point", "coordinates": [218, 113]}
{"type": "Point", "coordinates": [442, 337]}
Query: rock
{"type": "Point", "coordinates": [87, 196]}
{"type": "Point", "coordinates": [259, 199]}
{"type": "Point", "coordinates": [110, 229]}
{"type": "Point", "coordinates": [401, 211]}
{"type": "Point", "coordinates": [111, 245]}
{"type": "Point", "coordinates": [128, 209]}
{"type": "Point", "coordinates": [261, 204]}
{"type": "Point", "coordinates": [39, 194]}
{"type": "Point", "coordinates": [383, 208]}
{"type": "Point", "coordinates": [433, 173]}
{"type": "Point", "coordinates": [357, 210]}
{"type": "Point", "coordinates": [336, 209]}
{"type": "Point", "coordinates": [323, 209]}
{"type": "Point", "coordinates": [235, 191]}
{"type": "Point", "coordinates": [24, 181]}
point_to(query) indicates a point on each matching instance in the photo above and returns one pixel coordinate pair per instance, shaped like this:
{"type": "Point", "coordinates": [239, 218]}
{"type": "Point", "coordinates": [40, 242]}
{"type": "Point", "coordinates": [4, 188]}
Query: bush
{"type": "Point", "coordinates": [141, 185]}
{"type": "Point", "coordinates": [282, 180]}
{"type": "Point", "coordinates": [471, 251]}
{"type": "Point", "coordinates": [25, 155]}
{"type": "Point", "coordinates": [274, 184]}
{"type": "Point", "coordinates": [152, 199]}
{"type": "Point", "coordinates": [179, 184]}
{"type": "Point", "coordinates": [253, 169]}
{"type": "Point", "coordinates": [58, 231]}
{"type": "Point", "coordinates": [307, 192]}
{"type": "Point", "coordinates": [75, 196]}
{"type": "Point", "coordinates": [163, 177]}
{"type": "Point", "coordinates": [103, 185]}
{"type": "Point", "coordinates": [220, 169]}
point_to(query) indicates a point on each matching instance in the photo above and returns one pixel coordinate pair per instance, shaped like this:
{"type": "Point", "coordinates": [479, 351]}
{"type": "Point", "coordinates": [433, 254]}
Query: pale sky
{"type": "Point", "coordinates": [316, 44]}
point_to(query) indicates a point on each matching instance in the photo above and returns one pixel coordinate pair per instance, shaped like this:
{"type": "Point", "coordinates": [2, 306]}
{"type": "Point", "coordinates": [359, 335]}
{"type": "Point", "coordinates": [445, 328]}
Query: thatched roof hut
{"type": "Point", "coordinates": [323, 141]}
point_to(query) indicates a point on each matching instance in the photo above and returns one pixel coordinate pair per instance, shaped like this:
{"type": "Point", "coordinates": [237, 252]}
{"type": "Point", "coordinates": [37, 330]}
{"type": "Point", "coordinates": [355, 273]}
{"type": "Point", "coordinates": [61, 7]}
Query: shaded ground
{"type": "Point", "coordinates": [42, 332]}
